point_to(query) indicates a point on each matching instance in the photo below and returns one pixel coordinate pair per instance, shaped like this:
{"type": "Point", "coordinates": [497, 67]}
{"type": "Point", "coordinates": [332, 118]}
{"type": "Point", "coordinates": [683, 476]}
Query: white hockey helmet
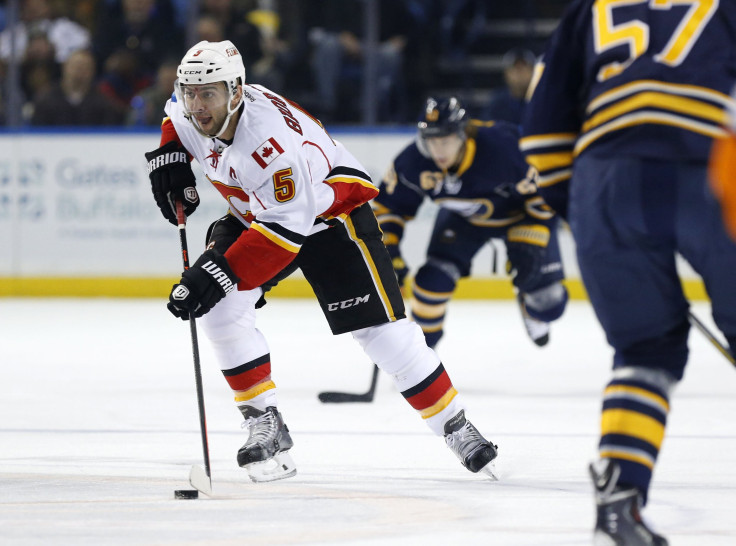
{"type": "Point", "coordinates": [211, 62]}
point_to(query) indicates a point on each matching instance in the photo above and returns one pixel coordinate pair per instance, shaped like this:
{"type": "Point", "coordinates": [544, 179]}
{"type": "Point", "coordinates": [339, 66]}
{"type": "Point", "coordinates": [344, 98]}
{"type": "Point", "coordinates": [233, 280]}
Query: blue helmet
{"type": "Point", "coordinates": [442, 117]}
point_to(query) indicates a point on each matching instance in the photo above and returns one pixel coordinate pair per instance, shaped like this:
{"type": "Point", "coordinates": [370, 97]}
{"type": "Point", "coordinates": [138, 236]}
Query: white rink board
{"type": "Point", "coordinates": [79, 205]}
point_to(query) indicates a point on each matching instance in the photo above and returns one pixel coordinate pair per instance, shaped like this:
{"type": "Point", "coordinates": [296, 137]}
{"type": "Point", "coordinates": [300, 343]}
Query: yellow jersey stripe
{"type": "Point", "coordinates": [431, 295]}
{"type": "Point", "coordinates": [378, 208]}
{"type": "Point", "coordinates": [653, 85]}
{"type": "Point", "coordinates": [663, 101]}
{"type": "Point", "coordinates": [547, 141]}
{"type": "Point", "coordinates": [545, 162]}
{"type": "Point", "coordinates": [550, 180]}
{"type": "Point", "coordinates": [374, 271]}
{"type": "Point", "coordinates": [350, 180]}
{"type": "Point", "coordinates": [390, 238]}
{"type": "Point", "coordinates": [390, 219]}
{"type": "Point", "coordinates": [496, 223]}
{"type": "Point", "coordinates": [650, 397]}
{"type": "Point", "coordinates": [271, 236]}
{"type": "Point", "coordinates": [428, 310]}
{"type": "Point", "coordinates": [441, 404]}
{"type": "Point", "coordinates": [250, 394]}
{"type": "Point", "coordinates": [642, 459]}
{"type": "Point", "coordinates": [646, 117]}
{"type": "Point", "coordinates": [468, 158]}
{"type": "Point", "coordinates": [634, 424]}
{"type": "Point", "coordinates": [429, 329]}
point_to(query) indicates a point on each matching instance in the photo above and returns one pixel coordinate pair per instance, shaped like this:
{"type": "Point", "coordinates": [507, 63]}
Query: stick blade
{"type": "Point", "coordinates": [199, 479]}
{"type": "Point", "coordinates": [332, 397]}
{"type": "Point", "coordinates": [343, 397]}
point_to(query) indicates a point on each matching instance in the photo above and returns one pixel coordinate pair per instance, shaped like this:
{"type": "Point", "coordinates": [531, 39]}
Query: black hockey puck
{"type": "Point", "coordinates": [186, 494]}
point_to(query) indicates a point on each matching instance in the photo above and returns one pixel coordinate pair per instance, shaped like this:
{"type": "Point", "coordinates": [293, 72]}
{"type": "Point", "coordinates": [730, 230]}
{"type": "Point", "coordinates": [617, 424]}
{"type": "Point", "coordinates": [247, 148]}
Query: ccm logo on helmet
{"type": "Point", "coordinates": [191, 71]}
{"type": "Point", "coordinates": [231, 52]}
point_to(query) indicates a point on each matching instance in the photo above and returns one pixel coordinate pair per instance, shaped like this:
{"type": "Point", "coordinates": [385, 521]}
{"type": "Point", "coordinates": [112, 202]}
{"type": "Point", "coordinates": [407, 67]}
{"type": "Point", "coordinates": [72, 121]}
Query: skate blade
{"type": "Point", "coordinates": [491, 471]}
{"type": "Point", "coordinates": [278, 467]}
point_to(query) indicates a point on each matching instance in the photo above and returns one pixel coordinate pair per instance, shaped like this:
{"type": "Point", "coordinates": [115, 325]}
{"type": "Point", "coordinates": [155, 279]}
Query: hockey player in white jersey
{"type": "Point", "coordinates": [297, 199]}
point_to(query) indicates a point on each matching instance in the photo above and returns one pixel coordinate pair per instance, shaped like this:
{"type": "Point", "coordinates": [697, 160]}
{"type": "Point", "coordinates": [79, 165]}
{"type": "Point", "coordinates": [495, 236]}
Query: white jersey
{"type": "Point", "coordinates": [283, 175]}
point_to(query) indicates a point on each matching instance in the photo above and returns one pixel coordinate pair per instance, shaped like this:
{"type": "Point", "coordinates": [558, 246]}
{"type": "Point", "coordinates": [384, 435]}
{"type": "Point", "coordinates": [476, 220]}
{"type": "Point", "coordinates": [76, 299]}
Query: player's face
{"type": "Point", "coordinates": [445, 150]}
{"type": "Point", "coordinates": [207, 104]}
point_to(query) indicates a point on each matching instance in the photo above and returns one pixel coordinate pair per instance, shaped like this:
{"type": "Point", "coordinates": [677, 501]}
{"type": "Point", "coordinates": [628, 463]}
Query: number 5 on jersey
{"type": "Point", "coordinates": [283, 185]}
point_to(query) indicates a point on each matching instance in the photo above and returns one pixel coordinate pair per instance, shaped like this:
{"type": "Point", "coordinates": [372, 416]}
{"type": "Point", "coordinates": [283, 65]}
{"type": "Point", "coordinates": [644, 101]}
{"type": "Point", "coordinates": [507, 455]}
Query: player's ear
{"type": "Point", "coordinates": [237, 97]}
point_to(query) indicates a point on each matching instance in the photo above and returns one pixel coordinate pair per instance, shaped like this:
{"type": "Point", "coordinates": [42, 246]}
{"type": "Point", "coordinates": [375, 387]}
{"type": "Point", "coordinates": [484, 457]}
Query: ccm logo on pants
{"type": "Point", "coordinates": [347, 303]}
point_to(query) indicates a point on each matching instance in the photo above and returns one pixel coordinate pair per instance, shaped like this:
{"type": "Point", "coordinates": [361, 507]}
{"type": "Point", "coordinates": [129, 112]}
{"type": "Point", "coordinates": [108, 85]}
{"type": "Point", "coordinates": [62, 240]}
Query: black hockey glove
{"type": "Point", "coordinates": [522, 190]}
{"type": "Point", "coordinates": [172, 180]}
{"type": "Point", "coordinates": [202, 286]}
{"type": "Point", "coordinates": [526, 246]}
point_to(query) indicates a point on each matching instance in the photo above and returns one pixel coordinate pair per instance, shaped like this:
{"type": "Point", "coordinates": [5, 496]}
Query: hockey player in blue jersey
{"type": "Point", "coordinates": [629, 97]}
{"type": "Point", "coordinates": [484, 189]}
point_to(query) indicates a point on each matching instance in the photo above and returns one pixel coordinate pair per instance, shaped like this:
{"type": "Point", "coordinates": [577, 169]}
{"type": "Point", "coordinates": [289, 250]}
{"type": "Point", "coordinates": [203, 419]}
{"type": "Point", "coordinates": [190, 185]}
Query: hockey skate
{"type": "Point", "coordinates": [618, 521]}
{"type": "Point", "coordinates": [475, 452]}
{"type": "Point", "coordinates": [266, 453]}
{"type": "Point", "coordinates": [538, 330]}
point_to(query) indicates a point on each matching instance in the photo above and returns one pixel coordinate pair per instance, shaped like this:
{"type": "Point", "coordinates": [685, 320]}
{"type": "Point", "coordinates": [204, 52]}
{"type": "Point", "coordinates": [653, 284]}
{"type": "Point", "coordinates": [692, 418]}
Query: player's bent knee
{"type": "Point", "coordinates": [437, 275]}
{"type": "Point", "coordinates": [398, 348]}
{"type": "Point", "coordinates": [231, 330]}
{"type": "Point", "coordinates": [232, 316]}
{"type": "Point", "coordinates": [547, 303]}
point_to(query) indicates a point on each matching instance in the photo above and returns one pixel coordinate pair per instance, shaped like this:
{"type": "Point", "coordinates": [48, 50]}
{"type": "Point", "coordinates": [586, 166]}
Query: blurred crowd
{"type": "Point", "coordinates": [113, 62]}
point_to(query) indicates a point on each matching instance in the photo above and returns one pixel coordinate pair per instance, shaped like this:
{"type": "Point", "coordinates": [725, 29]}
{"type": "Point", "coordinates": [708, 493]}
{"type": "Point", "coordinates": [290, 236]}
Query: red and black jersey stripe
{"type": "Point", "coordinates": [249, 374]}
{"type": "Point", "coordinates": [431, 395]}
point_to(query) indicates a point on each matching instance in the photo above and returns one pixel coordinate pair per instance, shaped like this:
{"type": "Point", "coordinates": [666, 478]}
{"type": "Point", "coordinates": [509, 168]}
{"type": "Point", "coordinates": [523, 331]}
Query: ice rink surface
{"type": "Point", "coordinates": [99, 427]}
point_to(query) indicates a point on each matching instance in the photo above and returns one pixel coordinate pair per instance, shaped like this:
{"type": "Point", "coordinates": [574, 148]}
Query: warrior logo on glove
{"type": "Point", "coordinates": [220, 276]}
{"type": "Point", "coordinates": [172, 180]}
{"type": "Point", "coordinates": [180, 292]}
{"type": "Point", "coordinates": [166, 159]}
{"type": "Point", "coordinates": [202, 286]}
{"type": "Point", "coordinates": [190, 195]}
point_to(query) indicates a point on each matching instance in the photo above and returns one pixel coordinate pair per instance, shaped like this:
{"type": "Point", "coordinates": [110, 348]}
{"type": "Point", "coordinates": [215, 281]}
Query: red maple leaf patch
{"type": "Point", "coordinates": [267, 152]}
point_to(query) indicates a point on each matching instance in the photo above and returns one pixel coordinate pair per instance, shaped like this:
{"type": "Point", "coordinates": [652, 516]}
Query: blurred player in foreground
{"type": "Point", "coordinates": [484, 188]}
{"type": "Point", "coordinates": [628, 101]}
{"type": "Point", "coordinates": [723, 172]}
{"type": "Point", "coordinates": [296, 199]}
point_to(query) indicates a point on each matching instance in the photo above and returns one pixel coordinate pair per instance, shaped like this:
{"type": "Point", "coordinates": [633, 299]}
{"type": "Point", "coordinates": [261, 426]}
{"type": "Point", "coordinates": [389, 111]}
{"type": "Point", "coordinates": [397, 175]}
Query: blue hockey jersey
{"type": "Point", "coordinates": [647, 78]}
{"type": "Point", "coordinates": [493, 187]}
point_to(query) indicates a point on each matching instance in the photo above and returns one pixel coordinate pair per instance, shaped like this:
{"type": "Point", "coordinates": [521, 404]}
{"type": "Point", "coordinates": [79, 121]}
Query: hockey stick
{"type": "Point", "coordinates": [713, 339]}
{"type": "Point", "coordinates": [200, 478]}
{"type": "Point", "coordinates": [340, 397]}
